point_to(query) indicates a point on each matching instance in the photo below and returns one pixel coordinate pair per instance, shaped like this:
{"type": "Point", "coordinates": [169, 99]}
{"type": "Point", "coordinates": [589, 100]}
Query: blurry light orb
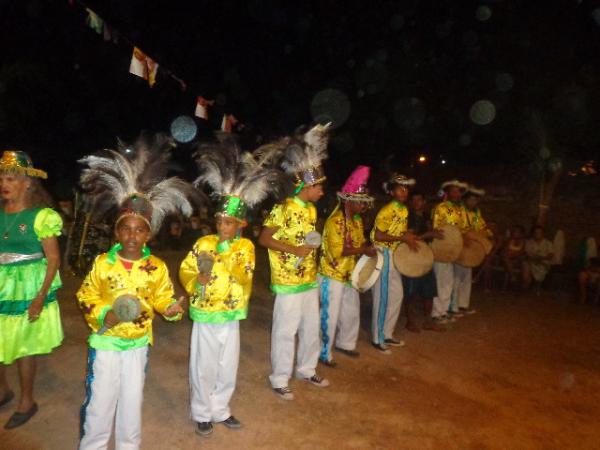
{"type": "Point", "coordinates": [333, 103]}
{"type": "Point", "coordinates": [504, 82]}
{"type": "Point", "coordinates": [183, 129]}
{"type": "Point", "coordinates": [443, 161]}
{"type": "Point", "coordinates": [596, 16]}
{"type": "Point", "coordinates": [396, 22]}
{"type": "Point", "coordinates": [483, 112]}
{"type": "Point", "coordinates": [483, 13]}
{"type": "Point", "coordinates": [422, 159]}
{"type": "Point", "coordinates": [464, 140]}
{"type": "Point", "coordinates": [544, 152]}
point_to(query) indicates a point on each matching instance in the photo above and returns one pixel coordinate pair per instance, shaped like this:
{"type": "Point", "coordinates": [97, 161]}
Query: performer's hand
{"type": "Point", "coordinates": [110, 319]}
{"type": "Point", "coordinates": [411, 240]}
{"type": "Point", "coordinates": [175, 308]}
{"type": "Point", "coordinates": [203, 279]}
{"type": "Point", "coordinates": [437, 234]}
{"type": "Point", "coordinates": [302, 251]}
{"type": "Point", "coordinates": [35, 309]}
{"type": "Point", "coordinates": [369, 250]}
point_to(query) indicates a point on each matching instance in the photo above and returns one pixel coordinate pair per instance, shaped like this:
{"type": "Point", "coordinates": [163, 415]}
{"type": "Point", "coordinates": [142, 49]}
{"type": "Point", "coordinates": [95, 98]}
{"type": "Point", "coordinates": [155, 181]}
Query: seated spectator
{"type": "Point", "coordinates": [539, 251]}
{"type": "Point", "coordinates": [513, 255]}
{"type": "Point", "coordinates": [589, 281]}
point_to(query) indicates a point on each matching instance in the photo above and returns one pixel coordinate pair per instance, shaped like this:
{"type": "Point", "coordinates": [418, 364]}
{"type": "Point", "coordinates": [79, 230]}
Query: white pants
{"type": "Point", "coordinates": [294, 313]}
{"type": "Point", "coordinates": [214, 358]}
{"type": "Point", "coordinates": [340, 311]}
{"type": "Point", "coordinates": [461, 297]}
{"type": "Point", "coordinates": [387, 300]}
{"type": "Point", "coordinates": [444, 276]}
{"type": "Point", "coordinates": [114, 383]}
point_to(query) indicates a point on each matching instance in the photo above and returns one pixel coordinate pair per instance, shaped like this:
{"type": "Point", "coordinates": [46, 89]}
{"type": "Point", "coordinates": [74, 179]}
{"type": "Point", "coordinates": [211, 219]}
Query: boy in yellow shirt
{"type": "Point", "coordinates": [220, 292]}
{"type": "Point", "coordinates": [294, 266]}
{"type": "Point", "coordinates": [343, 242]}
{"type": "Point", "coordinates": [119, 347]}
{"type": "Point", "coordinates": [390, 229]}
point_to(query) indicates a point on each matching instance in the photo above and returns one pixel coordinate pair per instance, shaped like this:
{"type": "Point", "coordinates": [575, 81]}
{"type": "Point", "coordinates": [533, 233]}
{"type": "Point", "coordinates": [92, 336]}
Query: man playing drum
{"type": "Point", "coordinates": [343, 242]}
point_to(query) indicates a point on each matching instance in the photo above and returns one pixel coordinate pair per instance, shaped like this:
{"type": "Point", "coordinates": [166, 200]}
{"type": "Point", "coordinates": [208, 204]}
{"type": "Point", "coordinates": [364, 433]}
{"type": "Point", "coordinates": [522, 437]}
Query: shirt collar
{"type": "Point", "coordinates": [113, 253]}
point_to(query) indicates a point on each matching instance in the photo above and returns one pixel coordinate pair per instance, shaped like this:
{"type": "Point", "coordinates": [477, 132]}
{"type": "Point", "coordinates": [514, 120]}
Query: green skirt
{"type": "Point", "coordinates": [19, 284]}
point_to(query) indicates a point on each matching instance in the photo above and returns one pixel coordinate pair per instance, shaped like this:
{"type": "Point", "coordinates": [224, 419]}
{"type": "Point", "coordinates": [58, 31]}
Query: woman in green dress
{"type": "Point", "coordinates": [29, 258]}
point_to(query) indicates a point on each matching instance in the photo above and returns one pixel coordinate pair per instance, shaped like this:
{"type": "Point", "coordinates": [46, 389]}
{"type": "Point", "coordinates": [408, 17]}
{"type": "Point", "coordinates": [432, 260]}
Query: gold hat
{"type": "Point", "coordinates": [19, 162]}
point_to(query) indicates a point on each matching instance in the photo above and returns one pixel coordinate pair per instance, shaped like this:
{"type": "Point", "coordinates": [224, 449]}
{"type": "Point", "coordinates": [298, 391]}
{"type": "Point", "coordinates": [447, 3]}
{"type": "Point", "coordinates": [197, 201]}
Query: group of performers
{"type": "Point", "coordinates": [315, 301]}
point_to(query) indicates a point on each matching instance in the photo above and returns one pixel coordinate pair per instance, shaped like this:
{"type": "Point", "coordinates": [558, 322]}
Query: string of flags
{"type": "Point", "coordinates": [145, 67]}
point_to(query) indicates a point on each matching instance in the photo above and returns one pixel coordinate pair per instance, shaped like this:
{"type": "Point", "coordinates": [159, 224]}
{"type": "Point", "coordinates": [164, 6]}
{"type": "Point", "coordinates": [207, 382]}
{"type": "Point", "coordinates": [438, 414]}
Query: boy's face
{"type": "Point", "coordinates": [400, 193]}
{"type": "Point", "coordinates": [356, 207]}
{"type": "Point", "coordinates": [471, 201]}
{"type": "Point", "coordinates": [227, 227]}
{"type": "Point", "coordinates": [417, 202]}
{"type": "Point", "coordinates": [132, 233]}
{"type": "Point", "coordinates": [454, 193]}
{"type": "Point", "coordinates": [314, 192]}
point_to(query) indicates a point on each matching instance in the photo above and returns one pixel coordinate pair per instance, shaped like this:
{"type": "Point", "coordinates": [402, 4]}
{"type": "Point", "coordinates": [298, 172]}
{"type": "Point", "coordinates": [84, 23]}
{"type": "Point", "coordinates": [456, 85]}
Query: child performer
{"type": "Point", "coordinates": [343, 241]}
{"type": "Point", "coordinates": [390, 229]}
{"type": "Point", "coordinates": [118, 351]}
{"type": "Point", "coordinates": [463, 275]}
{"type": "Point", "coordinates": [220, 295]}
{"type": "Point", "coordinates": [448, 212]}
{"type": "Point", "coordinates": [294, 266]}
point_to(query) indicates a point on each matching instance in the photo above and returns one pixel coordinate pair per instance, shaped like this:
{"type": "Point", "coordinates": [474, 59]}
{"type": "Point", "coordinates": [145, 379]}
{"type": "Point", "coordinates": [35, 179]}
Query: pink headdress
{"type": "Point", "coordinates": [355, 188]}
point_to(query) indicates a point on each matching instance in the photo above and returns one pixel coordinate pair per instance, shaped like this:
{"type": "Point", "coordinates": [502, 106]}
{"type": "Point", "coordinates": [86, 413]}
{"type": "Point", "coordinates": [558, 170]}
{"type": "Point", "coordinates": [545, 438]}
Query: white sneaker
{"type": "Point", "coordinates": [317, 381]}
{"type": "Point", "coordinates": [284, 392]}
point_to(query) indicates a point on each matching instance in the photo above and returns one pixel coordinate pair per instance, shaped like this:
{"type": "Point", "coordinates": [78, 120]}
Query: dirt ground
{"type": "Point", "coordinates": [522, 373]}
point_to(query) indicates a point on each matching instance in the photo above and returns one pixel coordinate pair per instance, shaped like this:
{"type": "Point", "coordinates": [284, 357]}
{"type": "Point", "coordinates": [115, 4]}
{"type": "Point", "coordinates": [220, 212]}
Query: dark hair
{"type": "Point", "coordinates": [417, 194]}
{"type": "Point", "coordinates": [468, 195]}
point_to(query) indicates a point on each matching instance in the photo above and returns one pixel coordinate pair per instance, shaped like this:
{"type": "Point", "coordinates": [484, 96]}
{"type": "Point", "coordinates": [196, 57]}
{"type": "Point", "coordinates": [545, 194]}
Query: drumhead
{"type": "Point", "coordinates": [447, 249]}
{"type": "Point", "coordinates": [481, 237]}
{"type": "Point", "coordinates": [471, 256]}
{"type": "Point", "coordinates": [367, 271]}
{"type": "Point", "coordinates": [413, 264]}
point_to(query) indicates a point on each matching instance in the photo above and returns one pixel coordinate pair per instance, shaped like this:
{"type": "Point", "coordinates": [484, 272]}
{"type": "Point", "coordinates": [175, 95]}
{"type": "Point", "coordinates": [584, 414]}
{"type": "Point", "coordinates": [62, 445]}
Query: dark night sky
{"type": "Point", "coordinates": [409, 72]}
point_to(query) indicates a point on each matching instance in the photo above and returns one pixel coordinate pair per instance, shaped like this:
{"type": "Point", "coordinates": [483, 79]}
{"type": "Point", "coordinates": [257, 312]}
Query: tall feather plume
{"type": "Point", "coordinates": [308, 152]}
{"type": "Point", "coordinates": [229, 171]}
{"type": "Point", "coordinates": [111, 177]}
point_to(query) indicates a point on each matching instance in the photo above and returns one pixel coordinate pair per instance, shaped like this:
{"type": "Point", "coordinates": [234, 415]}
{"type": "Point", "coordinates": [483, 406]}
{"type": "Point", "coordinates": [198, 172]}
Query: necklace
{"type": "Point", "coordinates": [8, 227]}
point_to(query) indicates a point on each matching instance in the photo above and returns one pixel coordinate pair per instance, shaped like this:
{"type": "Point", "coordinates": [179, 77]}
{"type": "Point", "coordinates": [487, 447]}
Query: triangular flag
{"type": "Point", "coordinates": [152, 69]}
{"type": "Point", "coordinates": [202, 107]}
{"type": "Point", "coordinates": [228, 123]}
{"type": "Point", "coordinates": [94, 21]}
{"type": "Point", "coordinates": [138, 64]}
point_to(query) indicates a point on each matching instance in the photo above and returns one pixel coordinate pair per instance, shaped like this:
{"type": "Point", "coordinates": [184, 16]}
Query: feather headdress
{"type": "Point", "coordinates": [135, 181]}
{"type": "Point", "coordinates": [240, 179]}
{"type": "Point", "coordinates": [303, 158]}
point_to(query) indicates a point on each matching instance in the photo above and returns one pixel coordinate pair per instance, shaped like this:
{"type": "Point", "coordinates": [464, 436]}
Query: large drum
{"type": "Point", "coordinates": [413, 264]}
{"type": "Point", "coordinates": [367, 271]}
{"type": "Point", "coordinates": [471, 255]}
{"type": "Point", "coordinates": [482, 238]}
{"type": "Point", "coordinates": [447, 249]}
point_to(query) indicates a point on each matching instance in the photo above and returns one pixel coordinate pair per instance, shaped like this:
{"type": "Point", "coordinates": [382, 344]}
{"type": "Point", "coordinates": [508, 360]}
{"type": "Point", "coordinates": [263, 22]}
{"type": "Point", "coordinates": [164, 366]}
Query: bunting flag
{"type": "Point", "coordinates": [94, 21]}
{"type": "Point", "coordinates": [228, 123]}
{"type": "Point", "coordinates": [143, 66]}
{"type": "Point", "coordinates": [202, 107]}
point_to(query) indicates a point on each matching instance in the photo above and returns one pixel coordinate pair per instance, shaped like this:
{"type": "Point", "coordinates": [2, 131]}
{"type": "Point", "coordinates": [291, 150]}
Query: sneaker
{"type": "Point", "coordinates": [455, 314]}
{"type": "Point", "coordinates": [467, 311]}
{"type": "Point", "coordinates": [394, 343]}
{"type": "Point", "coordinates": [317, 381]}
{"type": "Point", "coordinates": [232, 422]}
{"type": "Point", "coordinates": [284, 393]}
{"type": "Point", "coordinates": [440, 319]}
{"type": "Point", "coordinates": [351, 353]}
{"type": "Point", "coordinates": [328, 362]}
{"type": "Point", "coordinates": [204, 428]}
{"type": "Point", "coordinates": [448, 319]}
{"type": "Point", "coordinates": [382, 348]}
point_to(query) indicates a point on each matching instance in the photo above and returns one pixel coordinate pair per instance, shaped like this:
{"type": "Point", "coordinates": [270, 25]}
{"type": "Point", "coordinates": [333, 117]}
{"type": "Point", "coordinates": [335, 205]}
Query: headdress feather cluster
{"type": "Point", "coordinates": [303, 157]}
{"type": "Point", "coordinates": [116, 178]}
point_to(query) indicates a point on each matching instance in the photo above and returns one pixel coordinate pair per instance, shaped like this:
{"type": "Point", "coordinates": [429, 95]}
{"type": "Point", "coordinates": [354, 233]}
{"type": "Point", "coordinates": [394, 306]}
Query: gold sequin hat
{"type": "Point", "coordinates": [17, 161]}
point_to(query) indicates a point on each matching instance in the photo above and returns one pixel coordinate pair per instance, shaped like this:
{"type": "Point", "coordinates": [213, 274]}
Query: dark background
{"type": "Point", "coordinates": [408, 72]}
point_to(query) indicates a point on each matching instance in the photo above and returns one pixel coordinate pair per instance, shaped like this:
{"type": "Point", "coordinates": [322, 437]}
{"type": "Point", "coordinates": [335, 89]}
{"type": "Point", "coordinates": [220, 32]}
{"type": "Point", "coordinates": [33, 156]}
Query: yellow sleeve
{"type": "Point", "coordinates": [275, 218]}
{"type": "Point", "coordinates": [47, 224]}
{"type": "Point", "coordinates": [438, 218]}
{"type": "Point", "coordinates": [334, 229]}
{"type": "Point", "coordinates": [188, 273]}
{"type": "Point", "coordinates": [163, 293]}
{"type": "Point", "coordinates": [241, 262]}
{"type": "Point", "coordinates": [89, 297]}
{"type": "Point", "coordinates": [383, 220]}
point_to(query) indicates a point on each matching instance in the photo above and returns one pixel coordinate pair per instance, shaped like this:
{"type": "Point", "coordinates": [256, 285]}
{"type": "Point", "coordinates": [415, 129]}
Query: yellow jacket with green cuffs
{"type": "Point", "coordinates": [227, 294]}
{"type": "Point", "coordinates": [294, 219]}
{"type": "Point", "coordinates": [393, 220]}
{"type": "Point", "coordinates": [475, 221]}
{"type": "Point", "coordinates": [450, 213]}
{"type": "Point", "coordinates": [148, 280]}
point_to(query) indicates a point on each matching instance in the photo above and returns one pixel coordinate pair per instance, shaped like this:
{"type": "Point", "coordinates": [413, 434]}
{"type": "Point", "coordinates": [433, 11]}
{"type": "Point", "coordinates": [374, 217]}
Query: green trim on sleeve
{"type": "Point", "coordinates": [103, 314]}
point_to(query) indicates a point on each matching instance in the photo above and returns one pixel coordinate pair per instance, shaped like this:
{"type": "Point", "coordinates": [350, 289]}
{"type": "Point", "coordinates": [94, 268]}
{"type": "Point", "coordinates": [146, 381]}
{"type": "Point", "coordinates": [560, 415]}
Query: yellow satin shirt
{"type": "Point", "coordinates": [227, 293]}
{"type": "Point", "coordinates": [449, 213]}
{"type": "Point", "coordinates": [148, 280]}
{"type": "Point", "coordinates": [337, 230]}
{"type": "Point", "coordinates": [294, 219]}
{"type": "Point", "coordinates": [393, 220]}
{"type": "Point", "coordinates": [475, 221]}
